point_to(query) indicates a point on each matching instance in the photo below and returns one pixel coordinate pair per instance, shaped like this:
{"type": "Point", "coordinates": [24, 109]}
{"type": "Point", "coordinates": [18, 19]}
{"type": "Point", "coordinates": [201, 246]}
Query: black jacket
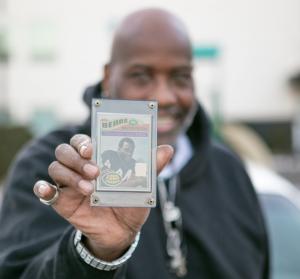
{"type": "Point", "coordinates": [223, 226]}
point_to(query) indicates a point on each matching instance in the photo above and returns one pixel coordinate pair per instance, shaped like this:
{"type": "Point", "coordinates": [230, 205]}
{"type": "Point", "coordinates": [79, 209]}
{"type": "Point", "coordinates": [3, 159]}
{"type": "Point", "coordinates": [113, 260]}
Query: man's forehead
{"type": "Point", "coordinates": [154, 53]}
{"type": "Point", "coordinates": [153, 32]}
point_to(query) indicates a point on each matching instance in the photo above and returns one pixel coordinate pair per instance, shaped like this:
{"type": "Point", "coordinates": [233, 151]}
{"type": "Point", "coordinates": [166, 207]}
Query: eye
{"type": "Point", "coordinates": [140, 77]}
{"type": "Point", "coordinates": [182, 79]}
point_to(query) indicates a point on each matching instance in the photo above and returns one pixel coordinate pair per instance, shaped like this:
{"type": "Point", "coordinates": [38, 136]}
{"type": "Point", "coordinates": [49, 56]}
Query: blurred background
{"type": "Point", "coordinates": [245, 53]}
{"type": "Point", "coordinates": [247, 70]}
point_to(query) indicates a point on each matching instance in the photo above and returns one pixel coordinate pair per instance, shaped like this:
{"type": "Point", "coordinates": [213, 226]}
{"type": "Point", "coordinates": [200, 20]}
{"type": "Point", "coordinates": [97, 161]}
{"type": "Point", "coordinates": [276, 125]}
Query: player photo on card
{"type": "Point", "coordinates": [124, 152]}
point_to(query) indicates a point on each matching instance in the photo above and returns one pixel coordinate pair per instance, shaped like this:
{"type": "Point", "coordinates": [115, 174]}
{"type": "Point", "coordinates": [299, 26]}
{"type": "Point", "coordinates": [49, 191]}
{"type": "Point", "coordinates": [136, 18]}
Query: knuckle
{"type": "Point", "coordinates": [61, 150]}
{"type": "Point", "coordinates": [79, 139]}
{"type": "Point", "coordinates": [52, 168]}
{"type": "Point", "coordinates": [74, 139]}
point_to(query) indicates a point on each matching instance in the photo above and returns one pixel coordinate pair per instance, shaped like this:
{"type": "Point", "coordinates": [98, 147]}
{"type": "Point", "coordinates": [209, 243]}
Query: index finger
{"type": "Point", "coordinates": [83, 145]}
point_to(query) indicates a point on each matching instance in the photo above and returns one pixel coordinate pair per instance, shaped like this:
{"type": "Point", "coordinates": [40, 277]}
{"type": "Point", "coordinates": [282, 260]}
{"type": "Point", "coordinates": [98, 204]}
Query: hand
{"type": "Point", "coordinates": [108, 231]}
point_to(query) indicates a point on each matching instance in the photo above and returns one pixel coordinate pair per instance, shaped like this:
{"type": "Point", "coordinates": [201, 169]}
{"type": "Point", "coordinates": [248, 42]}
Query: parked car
{"type": "Point", "coordinates": [280, 201]}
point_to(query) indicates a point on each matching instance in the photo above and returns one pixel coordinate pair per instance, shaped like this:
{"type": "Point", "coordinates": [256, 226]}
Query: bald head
{"type": "Point", "coordinates": [154, 28]}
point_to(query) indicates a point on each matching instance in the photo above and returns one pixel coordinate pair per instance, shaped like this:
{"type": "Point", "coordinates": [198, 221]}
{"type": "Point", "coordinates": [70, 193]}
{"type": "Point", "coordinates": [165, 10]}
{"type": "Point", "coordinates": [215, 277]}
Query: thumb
{"type": "Point", "coordinates": [164, 154]}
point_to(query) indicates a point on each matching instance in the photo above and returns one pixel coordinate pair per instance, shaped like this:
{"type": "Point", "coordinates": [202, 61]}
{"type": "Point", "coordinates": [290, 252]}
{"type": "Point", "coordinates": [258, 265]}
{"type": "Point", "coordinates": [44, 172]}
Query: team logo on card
{"type": "Point", "coordinates": [111, 179]}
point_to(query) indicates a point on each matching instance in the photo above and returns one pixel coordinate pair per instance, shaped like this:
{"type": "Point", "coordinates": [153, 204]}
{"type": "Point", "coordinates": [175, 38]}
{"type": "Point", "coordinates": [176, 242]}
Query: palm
{"type": "Point", "coordinates": [104, 224]}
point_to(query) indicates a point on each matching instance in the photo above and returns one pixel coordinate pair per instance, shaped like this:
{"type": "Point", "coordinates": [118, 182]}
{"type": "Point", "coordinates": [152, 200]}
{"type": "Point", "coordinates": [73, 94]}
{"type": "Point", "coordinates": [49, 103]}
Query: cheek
{"type": "Point", "coordinates": [187, 100]}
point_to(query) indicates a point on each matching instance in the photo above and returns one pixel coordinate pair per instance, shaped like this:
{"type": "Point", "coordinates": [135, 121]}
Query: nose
{"type": "Point", "coordinates": [164, 93]}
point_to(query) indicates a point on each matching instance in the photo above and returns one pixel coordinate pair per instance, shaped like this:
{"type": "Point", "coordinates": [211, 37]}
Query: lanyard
{"type": "Point", "coordinates": [172, 219]}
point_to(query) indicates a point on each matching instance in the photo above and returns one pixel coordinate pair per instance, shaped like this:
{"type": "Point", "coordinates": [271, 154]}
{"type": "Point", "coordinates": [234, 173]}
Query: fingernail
{"type": "Point", "coordinates": [90, 169]}
{"type": "Point", "coordinates": [86, 186]}
{"type": "Point", "coordinates": [82, 150]}
{"type": "Point", "coordinates": [43, 189]}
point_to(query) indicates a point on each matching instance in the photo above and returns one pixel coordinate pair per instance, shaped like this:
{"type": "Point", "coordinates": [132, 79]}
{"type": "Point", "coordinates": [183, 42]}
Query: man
{"type": "Point", "coordinates": [209, 223]}
{"type": "Point", "coordinates": [121, 161]}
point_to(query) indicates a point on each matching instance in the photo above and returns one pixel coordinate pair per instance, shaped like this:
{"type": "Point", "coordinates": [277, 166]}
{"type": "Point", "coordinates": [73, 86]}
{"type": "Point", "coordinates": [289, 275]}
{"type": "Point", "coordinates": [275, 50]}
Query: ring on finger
{"type": "Point", "coordinates": [55, 197]}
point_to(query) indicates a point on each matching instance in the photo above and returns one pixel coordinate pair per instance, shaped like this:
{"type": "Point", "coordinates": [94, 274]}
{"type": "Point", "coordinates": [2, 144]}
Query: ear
{"type": "Point", "coordinates": [105, 80]}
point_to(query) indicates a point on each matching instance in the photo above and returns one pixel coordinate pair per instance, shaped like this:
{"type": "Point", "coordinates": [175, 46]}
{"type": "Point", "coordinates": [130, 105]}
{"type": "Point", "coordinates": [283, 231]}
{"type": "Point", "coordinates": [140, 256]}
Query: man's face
{"type": "Point", "coordinates": [159, 71]}
{"type": "Point", "coordinates": [126, 150]}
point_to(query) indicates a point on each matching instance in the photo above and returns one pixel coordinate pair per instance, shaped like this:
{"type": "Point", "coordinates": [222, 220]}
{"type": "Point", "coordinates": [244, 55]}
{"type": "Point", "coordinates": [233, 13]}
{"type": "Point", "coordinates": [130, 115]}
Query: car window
{"type": "Point", "coordinates": [283, 223]}
{"type": "Point", "coordinates": [276, 204]}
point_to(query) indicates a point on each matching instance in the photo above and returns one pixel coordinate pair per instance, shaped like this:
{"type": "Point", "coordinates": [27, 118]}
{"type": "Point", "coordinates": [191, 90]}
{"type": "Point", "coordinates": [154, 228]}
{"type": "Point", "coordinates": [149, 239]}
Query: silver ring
{"type": "Point", "coordinates": [54, 199]}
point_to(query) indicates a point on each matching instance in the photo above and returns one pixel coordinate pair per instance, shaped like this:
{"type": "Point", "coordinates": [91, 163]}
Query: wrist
{"type": "Point", "coordinates": [101, 264]}
{"type": "Point", "coordinates": [105, 254]}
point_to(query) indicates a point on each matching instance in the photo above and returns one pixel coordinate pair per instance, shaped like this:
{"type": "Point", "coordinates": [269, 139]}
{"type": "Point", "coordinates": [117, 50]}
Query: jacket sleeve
{"type": "Point", "coordinates": [35, 242]}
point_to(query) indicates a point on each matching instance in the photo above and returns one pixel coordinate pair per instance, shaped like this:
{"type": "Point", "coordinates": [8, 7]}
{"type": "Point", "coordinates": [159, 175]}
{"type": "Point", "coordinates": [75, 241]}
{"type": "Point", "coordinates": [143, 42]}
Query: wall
{"type": "Point", "coordinates": [59, 47]}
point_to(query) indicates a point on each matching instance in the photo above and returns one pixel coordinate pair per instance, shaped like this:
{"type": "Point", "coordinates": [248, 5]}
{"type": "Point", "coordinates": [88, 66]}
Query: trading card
{"type": "Point", "coordinates": [124, 138]}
